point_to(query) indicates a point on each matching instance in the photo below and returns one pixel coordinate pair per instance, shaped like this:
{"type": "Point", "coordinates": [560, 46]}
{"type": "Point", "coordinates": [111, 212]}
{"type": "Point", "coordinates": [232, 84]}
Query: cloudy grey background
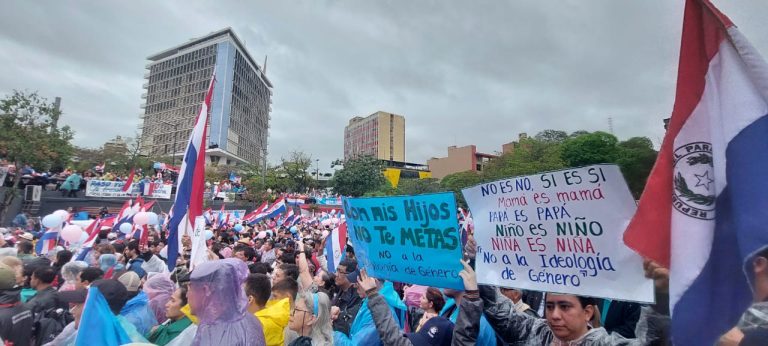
{"type": "Point", "coordinates": [461, 72]}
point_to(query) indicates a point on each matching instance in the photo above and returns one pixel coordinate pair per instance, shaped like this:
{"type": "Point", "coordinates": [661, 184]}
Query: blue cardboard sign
{"type": "Point", "coordinates": [411, 239]}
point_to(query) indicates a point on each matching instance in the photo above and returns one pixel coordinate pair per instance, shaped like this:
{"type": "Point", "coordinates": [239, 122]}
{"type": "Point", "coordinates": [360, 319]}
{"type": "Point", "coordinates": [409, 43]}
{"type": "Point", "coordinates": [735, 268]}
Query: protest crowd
{"type": "Point", "coordinates": [269, 283]}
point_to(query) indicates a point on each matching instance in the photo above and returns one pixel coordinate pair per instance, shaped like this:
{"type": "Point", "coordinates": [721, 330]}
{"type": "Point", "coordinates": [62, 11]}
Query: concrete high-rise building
{"type": "Point", "coordinates": [240, 110]}
{"type": "Point", "coordinates": [381, 135]}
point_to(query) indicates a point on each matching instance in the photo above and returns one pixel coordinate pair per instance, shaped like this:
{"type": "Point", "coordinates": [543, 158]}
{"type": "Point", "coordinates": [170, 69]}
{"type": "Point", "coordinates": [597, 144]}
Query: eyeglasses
{"type": "Point", "coordinates": [294, 311]}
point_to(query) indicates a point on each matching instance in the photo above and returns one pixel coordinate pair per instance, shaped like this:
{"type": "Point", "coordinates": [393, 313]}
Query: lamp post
{"type": "Point", "coordinates": [317, 170]}
{"type": "Point", "coordinates": [175, 130]}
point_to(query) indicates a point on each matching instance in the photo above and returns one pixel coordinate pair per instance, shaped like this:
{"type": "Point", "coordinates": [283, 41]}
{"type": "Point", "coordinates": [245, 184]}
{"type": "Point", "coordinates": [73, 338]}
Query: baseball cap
{"type": "Point", "coordinates": [27, 236]}
{"type": "Point", "coordinates": [7, 277]}
{"type": "Point", "coordinates": [436, 331]}
{"type": "Point", "coordinates": [131, 280]}
{"type": "Point", "coordinates": [114, 293]}
{"type": "Point", "coordinates": [74, 296]}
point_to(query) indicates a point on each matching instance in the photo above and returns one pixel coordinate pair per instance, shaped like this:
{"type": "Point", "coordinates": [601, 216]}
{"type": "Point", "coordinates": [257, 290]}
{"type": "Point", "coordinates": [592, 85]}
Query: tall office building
{"type": "Point", "coordinates": [240, 110]}
{"type": "Point", "coordinates": [381, 135]}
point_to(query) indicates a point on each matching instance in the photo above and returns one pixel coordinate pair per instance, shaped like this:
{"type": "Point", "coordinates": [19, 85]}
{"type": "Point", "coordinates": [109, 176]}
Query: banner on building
{"type": "Point", "coordinates": [559, 232]}
{"type": "Point", "coordinates": [412, 239]}
{"type": "Point", "coordinates": [103, 188]}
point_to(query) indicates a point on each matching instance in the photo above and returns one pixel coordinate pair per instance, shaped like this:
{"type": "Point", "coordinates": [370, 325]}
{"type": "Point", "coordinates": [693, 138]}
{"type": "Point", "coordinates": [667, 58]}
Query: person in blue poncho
{"type": "Point", "coordinates": [137, 309]}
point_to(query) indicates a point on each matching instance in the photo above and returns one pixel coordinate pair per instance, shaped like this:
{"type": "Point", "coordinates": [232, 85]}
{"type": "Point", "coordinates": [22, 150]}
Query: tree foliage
{"type": "Point", "coordinates": [552, 150]}
{"type": "Point", "coordinates": [358, 177]}
{"type": "Point", "coordinates": [28, 136]}
{"type": "Point", "coordinates": [588, 149]}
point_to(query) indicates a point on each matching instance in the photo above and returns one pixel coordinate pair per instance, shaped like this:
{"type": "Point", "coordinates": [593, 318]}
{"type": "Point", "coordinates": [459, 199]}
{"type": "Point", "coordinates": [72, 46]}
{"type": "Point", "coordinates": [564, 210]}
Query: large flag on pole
{"type": "Point", "coordinates": [702, 213]}
{"type": "Point", "coordinates": [191, 183]}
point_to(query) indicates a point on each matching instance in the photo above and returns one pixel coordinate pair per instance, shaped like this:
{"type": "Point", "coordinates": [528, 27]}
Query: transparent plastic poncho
{"type": "Point", "coordinates": [217, 298]}
{"type": "Point", "coordinates": [159, 288]}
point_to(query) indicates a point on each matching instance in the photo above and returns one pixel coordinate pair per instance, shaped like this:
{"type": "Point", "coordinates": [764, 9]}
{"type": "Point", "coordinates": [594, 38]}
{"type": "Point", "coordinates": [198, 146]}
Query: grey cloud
{"type": "Point", "coordinates": [461, 72]}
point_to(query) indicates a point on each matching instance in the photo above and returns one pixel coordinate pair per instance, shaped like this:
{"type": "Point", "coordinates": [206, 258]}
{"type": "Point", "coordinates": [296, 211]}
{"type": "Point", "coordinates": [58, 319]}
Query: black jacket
{"type": "Point", "coordinates": [44, 300]}
{"type": "Point", "coordinates": [15, 319]}
{"type": "Point", "coordinates": [621, 317]}
{"type": "Point", "coordinates": [349, 303]}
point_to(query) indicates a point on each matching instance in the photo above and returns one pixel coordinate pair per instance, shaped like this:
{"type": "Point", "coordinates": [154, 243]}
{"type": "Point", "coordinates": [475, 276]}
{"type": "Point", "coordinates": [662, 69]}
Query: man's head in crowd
{"type": "Point", "coordinates": [285, 289]}
{"type": "Point", "coordinates": [42, 278]}
{"type": "Point", "coordinates": [245, 253]}
{"type": "Point", "coordinates": [286, 271]}
{"type": "Point", "coordinates": [351, 253]}
{"type": "Point", "coordinates": [568, 315]}
{"type": "Point", "coordinates": [347, 266]}
{"type": "Point", "coordinates": [88, 276]}
{"type": "Point", "coordinates": [25, 247]}
{"type": "Point", "coordinates": [178, 300]}
{"type": "Point", "coordinates": [258, 290]}
{"type": "Point", "coordinates": [132, 250]}
{"type": "Point", "coordinates": [760, 272]}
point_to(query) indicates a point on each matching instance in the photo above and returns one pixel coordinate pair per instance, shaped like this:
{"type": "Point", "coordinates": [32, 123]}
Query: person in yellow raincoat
{"type": "Point", "coordinates": [273, 314]}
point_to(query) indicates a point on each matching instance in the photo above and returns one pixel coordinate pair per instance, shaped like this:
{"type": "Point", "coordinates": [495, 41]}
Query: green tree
{"type": "Point", "coordinates": [296, 171]}
{"type": "Point", "coordinates": [592, 148]}
{"type": "Point", "coordinates": [636, 158]}
{"type": "Point", "coordinates": [531, 156]}
{"type": "Point", "coordinates": [28, 136]}
{"type": "Point", "coordinates": [552, 136]}
{"type": "Point", "coordinates": [418, 186]}
{"type": "Point", "coordinates": [457, 181]}
{"type": "Point", "coordinates": [359, 176]}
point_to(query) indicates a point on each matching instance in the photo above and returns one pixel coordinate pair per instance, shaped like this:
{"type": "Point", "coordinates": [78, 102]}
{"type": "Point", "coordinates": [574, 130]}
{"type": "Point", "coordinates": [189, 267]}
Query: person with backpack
{"type": "Point", "coordinates": [50, 313]}
{"type": "Point", "coordinates": [15, 319]}
{"type": "Point", "coordinates": [47, 297]}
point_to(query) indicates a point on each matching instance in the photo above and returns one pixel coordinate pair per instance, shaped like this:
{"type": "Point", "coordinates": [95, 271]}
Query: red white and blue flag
{"type": "Point", "coordinates": [335, 246]}
{"type": "Point", "coordinates": [191, 183]}
{"type": "Point", "coordinates": [248, 217]}
{"type": "Point", "coordinates": [129, 181]}
{"type": "Point", "coordinates": [273, 211]}
{"type": "Point", "coordinates": [47, 241]}
{"type": "Point", "coordinates": [702, 214]}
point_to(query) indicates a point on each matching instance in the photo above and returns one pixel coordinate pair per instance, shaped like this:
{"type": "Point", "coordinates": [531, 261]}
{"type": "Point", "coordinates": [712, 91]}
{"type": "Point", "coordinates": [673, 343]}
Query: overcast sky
{"type": "Point", "coordinates": [461, 72]}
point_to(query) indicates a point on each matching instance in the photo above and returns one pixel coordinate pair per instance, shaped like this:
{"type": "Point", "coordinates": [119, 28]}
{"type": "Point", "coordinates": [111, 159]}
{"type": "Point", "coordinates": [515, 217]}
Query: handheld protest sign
{"type": "Point", "coordinates": [560, 232]}
{"type": "Point", "coordinates": [411, 239]}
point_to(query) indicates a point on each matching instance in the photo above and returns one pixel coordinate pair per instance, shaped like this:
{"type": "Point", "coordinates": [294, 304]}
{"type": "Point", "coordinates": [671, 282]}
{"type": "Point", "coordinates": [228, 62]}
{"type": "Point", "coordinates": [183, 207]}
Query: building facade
{"type": "Point", "coordinates": [115, 146]}
{"type": "Point", "coordinates": [381, 135]}
{"type": "Point", "coordinates": [459, 159]}
{"type": "Point", "coordinates": [176, 84]}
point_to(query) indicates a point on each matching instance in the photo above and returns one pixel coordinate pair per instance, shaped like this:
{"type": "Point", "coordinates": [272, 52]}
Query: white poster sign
{"type": "Point", "coordinates": [559, 232]}
{"type": "Point", "coordinates": [103, 188]}
{"type": "Point", "coordinates": [199, 248]}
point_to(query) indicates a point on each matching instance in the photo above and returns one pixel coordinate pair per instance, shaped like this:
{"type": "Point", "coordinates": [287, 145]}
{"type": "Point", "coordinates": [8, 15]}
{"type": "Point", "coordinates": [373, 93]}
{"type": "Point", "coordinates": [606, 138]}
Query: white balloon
{"type": "Point", "coordinates": [153, 219]}
{"type": "Point", "coordinates": [52, 221]}
{"type": "Point", "coordinates": [71, 233]}
{"type": "Point", "coordinates": [83, 237]}
{"type": "Point", "coordinates": [61, 213]}
{"type": "Point", "coordinates": [125, 227]}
